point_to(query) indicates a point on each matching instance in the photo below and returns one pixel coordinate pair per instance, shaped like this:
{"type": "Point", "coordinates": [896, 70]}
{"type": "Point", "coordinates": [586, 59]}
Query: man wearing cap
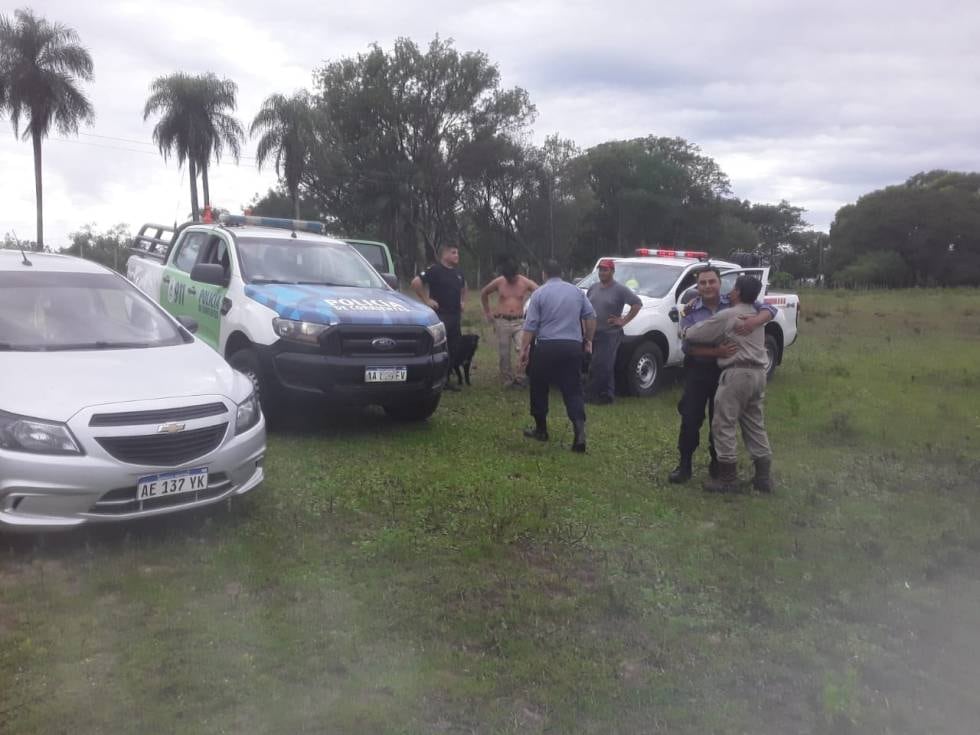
{"type": "Point", "coordinates": [561, 322]}
{"type": "Point", "coordinates": [608, 298]}
{"type": "Point", "coordinates": [701, 371]}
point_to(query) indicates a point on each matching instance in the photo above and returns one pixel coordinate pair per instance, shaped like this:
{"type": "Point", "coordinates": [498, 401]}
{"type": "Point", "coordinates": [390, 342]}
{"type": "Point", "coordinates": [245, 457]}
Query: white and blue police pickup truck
{"type": "Point", "coordinates": [305, 316]}
{"type": "Point", "coordinates": [663, 279]}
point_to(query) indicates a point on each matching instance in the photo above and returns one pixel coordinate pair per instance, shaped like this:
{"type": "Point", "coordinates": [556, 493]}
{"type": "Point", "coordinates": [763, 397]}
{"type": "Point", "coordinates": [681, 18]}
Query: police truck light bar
{"type": "Point", "coordinates": [296, 225]}
{"type": "Point", "coordinates": [652, 252]}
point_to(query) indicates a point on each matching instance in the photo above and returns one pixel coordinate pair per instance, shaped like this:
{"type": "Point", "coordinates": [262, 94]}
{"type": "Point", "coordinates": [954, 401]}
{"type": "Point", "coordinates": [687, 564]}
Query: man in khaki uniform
{"type": "Point", "coordinates": [741, 390]}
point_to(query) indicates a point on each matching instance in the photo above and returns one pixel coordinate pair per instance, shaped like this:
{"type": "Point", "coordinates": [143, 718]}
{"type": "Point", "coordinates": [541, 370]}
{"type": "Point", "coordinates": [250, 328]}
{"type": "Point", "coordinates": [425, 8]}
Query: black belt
{"type": "Point", "coordinates": [508, 318]}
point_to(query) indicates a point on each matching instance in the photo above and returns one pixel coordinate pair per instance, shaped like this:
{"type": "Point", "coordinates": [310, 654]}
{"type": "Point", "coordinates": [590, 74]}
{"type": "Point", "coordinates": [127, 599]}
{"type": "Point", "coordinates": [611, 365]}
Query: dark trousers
{"type": "Point", "coordinates": [700, 384]}
{"type": "Point", "coordinates": [559, 363]}
{"type": "Point", "coordinates": [602, 368]}
{"type": "Point", "coordinates": [454, 333]}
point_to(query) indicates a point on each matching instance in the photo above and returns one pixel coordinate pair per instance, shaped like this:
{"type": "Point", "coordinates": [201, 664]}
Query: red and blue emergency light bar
{"type": "Point", "coordinates": [658, 253]}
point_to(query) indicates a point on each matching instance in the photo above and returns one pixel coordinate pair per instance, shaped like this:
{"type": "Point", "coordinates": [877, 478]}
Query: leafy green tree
{"type": "Point", "coordinates": [400, 137]}
{"type": "Point", "coordinates": [288, 135]}
{"type": "Point", "coordinates": [779, 226]}
{"type": "Point", "coordinates": [41, 64]}
{"type": "Point", "coordinates": [654, 190]}
{"type": "Point", "coordinates": [278, 203]}
{"type": "Point", "coordinates": [932, 222]}
{"type": "Point", "coordinates": [107, 248]}
{"type": "Point", "coordinates": [194, 123]}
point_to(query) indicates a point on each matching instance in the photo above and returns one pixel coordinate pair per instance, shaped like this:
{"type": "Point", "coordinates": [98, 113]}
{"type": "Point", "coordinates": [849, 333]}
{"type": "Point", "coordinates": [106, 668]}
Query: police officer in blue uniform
{"type": "Point", "coordinates": [561, 322]}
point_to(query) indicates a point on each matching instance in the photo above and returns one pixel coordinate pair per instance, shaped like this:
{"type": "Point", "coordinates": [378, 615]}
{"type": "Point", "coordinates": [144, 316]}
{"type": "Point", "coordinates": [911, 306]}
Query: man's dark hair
{"type": "Point", "coordinates": [508, 269]}
{"type": "Point", "coordinates": [551, 269]}
{"type": "Point", "coordinates": [448, 246]}
{"type": "Point", "coordinates": [748, 288]}
{"type": "Point", "coordinates": [707, 268]}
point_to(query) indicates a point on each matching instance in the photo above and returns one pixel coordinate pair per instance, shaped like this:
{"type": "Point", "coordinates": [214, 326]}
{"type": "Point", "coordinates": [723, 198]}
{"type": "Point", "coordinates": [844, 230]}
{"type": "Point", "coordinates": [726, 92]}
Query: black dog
{"type": "Point", "coordinates": [464, 356]}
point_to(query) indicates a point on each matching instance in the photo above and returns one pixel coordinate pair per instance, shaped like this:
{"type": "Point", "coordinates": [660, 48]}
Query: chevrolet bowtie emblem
{"type": "Point", "coordinates": [171, 428]}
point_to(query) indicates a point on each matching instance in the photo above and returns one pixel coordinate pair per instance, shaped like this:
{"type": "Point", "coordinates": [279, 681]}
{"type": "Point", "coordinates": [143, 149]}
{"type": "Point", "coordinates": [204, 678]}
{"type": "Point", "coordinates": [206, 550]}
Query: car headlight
{"type": "Point", "coordinates": [248, 414]}
{"type": "Point", "coordinates": [438, 332]}
{"type": "Point", "coordinates": [306, 332]}
{"type": "Point", "coordinates": [23, 434]}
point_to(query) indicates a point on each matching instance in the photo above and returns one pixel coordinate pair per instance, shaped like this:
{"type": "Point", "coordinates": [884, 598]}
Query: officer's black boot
{"type": "Point", "coordinates": [540, 430]}
{"type": "Point", "coordinates": [578, 443]}
{"type": "Point", "coordinates": [682, 472]}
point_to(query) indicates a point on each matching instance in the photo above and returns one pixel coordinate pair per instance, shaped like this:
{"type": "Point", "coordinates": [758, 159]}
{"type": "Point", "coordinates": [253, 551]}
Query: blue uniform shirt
{"type": "Point", "coordinates": [698, 312]}
{"type": "Point", "coordinates": [556, 310]}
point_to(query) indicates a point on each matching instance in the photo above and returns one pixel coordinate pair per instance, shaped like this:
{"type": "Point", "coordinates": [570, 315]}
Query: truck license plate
{"type": "Point", "coordinates": [385, 374]}
{"type": "Point", "coordinates": [172, 483]}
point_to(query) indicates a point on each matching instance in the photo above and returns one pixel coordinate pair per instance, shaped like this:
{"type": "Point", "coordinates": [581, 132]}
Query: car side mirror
{"type": "Point", "coordinates": [391, 279]}
{"type": "Point", "coordinates": [189, 323]}
{"type": "Point", "coordinates": [674, 315]}
{"type": "Point", "coordinates": [210, 273]}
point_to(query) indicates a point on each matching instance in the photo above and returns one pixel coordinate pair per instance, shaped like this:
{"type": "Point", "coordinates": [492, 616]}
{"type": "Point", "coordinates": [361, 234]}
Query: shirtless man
{"type": "Point", "coordinates": [512, 291]}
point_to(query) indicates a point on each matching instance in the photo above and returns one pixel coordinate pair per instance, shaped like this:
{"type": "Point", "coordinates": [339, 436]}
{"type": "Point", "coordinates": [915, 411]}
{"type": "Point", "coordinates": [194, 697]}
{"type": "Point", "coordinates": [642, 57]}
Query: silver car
{"type": "Point", "coordinates": [110, 409]}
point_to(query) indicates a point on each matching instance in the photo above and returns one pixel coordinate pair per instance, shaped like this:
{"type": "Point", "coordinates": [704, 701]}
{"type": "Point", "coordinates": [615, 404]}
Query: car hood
{"type": "Point", "coordinates": [56, 385]}
{"type": "Point", "coordinates": [341, 304]}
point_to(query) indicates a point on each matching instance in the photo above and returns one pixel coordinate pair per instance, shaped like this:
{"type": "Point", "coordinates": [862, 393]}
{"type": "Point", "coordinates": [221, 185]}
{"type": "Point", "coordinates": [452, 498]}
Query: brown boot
{"type": "Point", "coordinates": [763, 479]}
{"type": "Point", "coordinates": [727, 480]}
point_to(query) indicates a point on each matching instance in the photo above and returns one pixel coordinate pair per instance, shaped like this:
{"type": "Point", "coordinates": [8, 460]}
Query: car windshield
{"type": "Point", "coordinates": [45, 311]}
{"type": "Point", "coordinates": [305, 262]}
{"type": "Point", "coordinates": [645, 279]}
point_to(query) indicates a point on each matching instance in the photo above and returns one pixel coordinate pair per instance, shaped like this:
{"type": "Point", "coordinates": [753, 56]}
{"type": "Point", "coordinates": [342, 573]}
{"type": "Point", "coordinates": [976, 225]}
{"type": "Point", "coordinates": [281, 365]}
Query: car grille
{"type": "Point", "coordinates": [164, 450]}
{"type": "Point", "coordinates": [375, 341]}
{"type": "Point", "coordinates": [123, 500]}
{"type": "Point", "coordinates": [132, 418]}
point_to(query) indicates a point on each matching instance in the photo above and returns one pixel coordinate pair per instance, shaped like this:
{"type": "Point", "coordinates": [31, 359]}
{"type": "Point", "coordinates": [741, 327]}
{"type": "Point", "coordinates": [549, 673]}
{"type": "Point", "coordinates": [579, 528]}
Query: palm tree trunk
{"type": "Point", "coordinates": [36, 139]}
{"type": "Point", "coordinates": [295, 196]}
{"type": "Point", "coordinates": [204, 184]}
{"type": "Point", "coordinates": [195, 210]}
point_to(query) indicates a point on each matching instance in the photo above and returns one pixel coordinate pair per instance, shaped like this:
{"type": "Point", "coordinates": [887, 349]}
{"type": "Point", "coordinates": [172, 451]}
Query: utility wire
{"type": "Point", "coordinates": [248, 160]}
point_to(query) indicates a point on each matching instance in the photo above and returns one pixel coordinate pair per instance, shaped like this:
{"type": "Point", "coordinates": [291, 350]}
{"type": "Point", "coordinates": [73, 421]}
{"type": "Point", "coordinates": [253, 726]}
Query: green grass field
{"type": "Point", "coordinates": [453, 577]}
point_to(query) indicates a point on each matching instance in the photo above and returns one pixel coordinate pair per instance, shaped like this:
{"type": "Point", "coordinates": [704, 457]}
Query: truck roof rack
{"type": "Point", "coordinates": [296, 225]}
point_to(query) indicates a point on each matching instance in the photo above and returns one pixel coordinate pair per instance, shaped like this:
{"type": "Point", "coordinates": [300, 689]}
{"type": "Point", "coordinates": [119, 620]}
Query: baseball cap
{"type": "Point", "coordinates": [608, 263]}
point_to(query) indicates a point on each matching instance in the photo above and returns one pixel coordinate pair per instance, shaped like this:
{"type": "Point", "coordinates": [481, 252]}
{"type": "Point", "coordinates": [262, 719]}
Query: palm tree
{"type": "Point", "coordinates": [193, 123]}
{"type": "Point", "coordinates": [222, 129]}
{"type": "Point", "coordinates": [40, 65]}
{"type": "Point", "coordinates": [288, 132]}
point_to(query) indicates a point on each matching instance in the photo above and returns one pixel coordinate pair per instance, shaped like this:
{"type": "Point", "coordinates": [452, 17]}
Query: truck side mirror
{"type": "Point", "coordinates": [210, 273]}
{"type": "Point", "coordinates": [391, 279]}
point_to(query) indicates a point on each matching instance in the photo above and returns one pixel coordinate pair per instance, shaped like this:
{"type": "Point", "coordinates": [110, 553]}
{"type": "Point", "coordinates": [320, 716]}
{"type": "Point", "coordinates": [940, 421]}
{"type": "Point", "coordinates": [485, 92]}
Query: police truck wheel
{"type": "Point", "coordinates": [246, 361]}
{"type": "Point", "coordinates": [644, 369]}
{"type": "Point", "coordinates": [772, 352]}
{"type": "Point", "coordinates": [413, 410]}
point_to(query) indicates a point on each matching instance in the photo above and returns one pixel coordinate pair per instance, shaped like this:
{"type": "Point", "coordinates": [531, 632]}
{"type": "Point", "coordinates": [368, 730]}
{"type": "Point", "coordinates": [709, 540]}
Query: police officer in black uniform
{"type": "Point", "coordinates": [446, 295]}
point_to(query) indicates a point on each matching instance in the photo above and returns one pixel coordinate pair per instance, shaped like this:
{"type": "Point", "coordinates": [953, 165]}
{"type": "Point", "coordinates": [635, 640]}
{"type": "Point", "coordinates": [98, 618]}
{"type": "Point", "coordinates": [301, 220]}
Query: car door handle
{"type": "Point", "coordinates": [166, 279]}
{"type": "Point", "coordinates": [191, 291]}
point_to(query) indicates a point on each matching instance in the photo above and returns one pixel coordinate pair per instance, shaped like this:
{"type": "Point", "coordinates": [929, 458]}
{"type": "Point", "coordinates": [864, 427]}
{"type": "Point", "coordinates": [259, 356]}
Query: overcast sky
{"type": "Point", "coordinates": [814, 102]}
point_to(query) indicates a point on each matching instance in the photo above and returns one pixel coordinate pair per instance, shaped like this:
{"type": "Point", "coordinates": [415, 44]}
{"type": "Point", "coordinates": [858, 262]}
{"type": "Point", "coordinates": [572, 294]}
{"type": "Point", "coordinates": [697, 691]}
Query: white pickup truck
{"type": "Point", "coordinates": [305, 316]}
{"type": "Point", "coordinates": [662, 278]}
